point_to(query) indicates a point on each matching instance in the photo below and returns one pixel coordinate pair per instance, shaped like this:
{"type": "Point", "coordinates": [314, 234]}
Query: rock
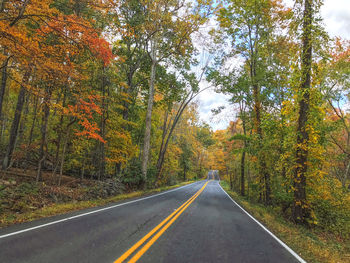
{"type": "Point", "coordinates": [104, 189]}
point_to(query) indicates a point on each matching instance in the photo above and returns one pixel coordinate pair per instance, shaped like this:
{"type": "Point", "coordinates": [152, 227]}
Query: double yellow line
{"type": "Point", "coordinates": [167, 222]}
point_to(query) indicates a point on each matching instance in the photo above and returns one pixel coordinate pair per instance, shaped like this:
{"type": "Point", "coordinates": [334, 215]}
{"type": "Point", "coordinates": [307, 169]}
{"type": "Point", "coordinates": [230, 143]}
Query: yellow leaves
{"type": "Point", "coordinates": [298, 203]}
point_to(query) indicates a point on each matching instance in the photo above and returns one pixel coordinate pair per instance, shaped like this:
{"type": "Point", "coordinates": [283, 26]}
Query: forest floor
{"type": "Point", "coordinates": [23, 200]}
{"type": "Point", "coordinates": [311, 244]}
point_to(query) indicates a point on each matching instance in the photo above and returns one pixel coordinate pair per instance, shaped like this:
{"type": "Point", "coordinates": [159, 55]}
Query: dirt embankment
{"type": "Point", "coordinates": [19, 193]}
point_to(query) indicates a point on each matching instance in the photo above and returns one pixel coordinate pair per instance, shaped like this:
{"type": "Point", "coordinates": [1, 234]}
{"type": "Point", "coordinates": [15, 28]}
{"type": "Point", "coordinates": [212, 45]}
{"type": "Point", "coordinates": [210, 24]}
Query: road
{"type": "Point", "coordinates": [194, 223]}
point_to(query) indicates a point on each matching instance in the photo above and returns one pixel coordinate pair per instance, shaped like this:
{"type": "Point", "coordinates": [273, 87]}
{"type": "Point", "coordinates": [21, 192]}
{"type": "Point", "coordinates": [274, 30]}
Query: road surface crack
{"type": "Point", "coordinates": [140, 226]}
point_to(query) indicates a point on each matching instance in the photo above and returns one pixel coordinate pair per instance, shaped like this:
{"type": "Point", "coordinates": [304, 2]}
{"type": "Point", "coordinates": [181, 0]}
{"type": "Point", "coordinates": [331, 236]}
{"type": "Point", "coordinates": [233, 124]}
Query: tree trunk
{"type": "Point", "coordinates": [147, 136]}
{"type": "Point", "coordinates": [22, 128]}
{"type": "Point", "coordinates": [164, 146]}
{"type": "Point", "coordinates": [243, 158]}
{"type": "Point", "coordinates": [265, 194]}
{"type": "Point", "coordinates": [43, 144]}
{"type": "Point", "coordinates": [4, 75]}
{"type": "Point", "coordinates": [300, 210]}
{"type": "Point", "coordinates": [60, 133]}
{"type": "Point", "coordinates": [2, 5]}
{"type": "Point", "coordinates": [83, 169]}
{"type": "Point", "coordinates": [3, 128]}
{"type": "Point", "coordinates": [30, 139]}
{"type": "Point", "coordinates": [62, 160]}
{"type": "Point", "coordinates": [16, 120]}
{"type": "Point", "coordinates": [199, 162]}
{"type": "Point", "coordinates": [102, 159]}
{"type": "Point", "coordinates": [242, 173]}
{"type": "Point", "coordinates": [162, 149]}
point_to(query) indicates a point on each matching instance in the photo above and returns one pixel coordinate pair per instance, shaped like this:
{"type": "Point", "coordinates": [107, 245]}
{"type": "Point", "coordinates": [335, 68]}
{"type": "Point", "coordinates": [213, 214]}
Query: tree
{"type": "Point", "coordinates": [300, 209]}
{"type": "Point", "coordinates": [249, 26]}
{"type": "Point", "coordinates": [169, 25]}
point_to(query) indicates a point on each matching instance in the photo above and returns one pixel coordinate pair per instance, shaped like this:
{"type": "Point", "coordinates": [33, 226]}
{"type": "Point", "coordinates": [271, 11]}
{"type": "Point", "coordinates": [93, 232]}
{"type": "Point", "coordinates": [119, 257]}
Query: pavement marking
{"type": "Point", "coordinates": [89, 213]}
{"type": "Point", "coordinates": [268, 231]}
{"type": "Point", "coordinates": [168, 221]}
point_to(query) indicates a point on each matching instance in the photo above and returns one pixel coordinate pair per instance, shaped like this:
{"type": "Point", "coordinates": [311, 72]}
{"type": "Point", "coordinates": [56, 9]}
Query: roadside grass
{"type": "Point", "coordinates": [62, 208]}
{"type": "Point", "coordinates": [312, 245]}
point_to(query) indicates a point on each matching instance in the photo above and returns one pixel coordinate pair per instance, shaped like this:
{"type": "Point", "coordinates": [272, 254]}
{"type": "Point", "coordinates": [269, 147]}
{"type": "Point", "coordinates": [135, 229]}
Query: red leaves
{"type": "Point", "coordinates": [100, 48]}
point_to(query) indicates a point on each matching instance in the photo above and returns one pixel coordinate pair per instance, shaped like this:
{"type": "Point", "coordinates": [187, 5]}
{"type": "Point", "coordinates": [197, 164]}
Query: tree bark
{"type": "Point", "coordinates": [102, 152]}
{"type": "Point", "coordinates": [161, 149]}
{"type": "Point", "coordinates": [62, 159]}
{"type": "Point", "coordinates": [22, 126]}
{"type": "Point", "coordinates": [43, 144]}
{"type": "Point", "coordinates": [60, 133]}
{"type": "Point", "coordinates": [300, 210]}
{"type": "Point", "coordinates": [265, 194]}
{"type": "Point", "coordinates": [4, 75]}
{"type": "Point", "coordinates": [65, 143]}
{"type": "Point", "coordinates": [147, 135]}
{"type": "Point", "coordinates": [2, 5]}
{"type": "Point", "coordinates": [164, 146]}
{"type": "Point", "coordinates": [243, 158]}
{"type": "Point", "coordinates": [242, 173]}
{"type": "Point", "coordinates": [16, 119]}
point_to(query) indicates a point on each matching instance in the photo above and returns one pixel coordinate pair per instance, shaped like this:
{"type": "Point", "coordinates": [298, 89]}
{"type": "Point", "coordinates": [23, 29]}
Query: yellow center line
{"type": "Point", "coordinates": [154, 239]}
{"type": "Point", "coordinates": [142, 240]}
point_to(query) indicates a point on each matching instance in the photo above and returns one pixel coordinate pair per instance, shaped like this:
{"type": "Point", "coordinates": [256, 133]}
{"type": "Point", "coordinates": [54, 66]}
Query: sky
{"type": "Point", "coordinates": [336, 17]}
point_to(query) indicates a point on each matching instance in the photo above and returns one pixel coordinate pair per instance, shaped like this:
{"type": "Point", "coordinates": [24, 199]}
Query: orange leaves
{"type": "Point", "coordinates": [84, 111]}
{"type": "Point", "coordinates": [75, 35]}
{"type": "Point", "coordinates": [341, 50]}
{"type": "Point", "coordinates": [35, 33]}
{"type": "Point", "coordinates": [158, 97]}
{"type": "Point", "coordinates": [54, 45]}
{"type": "Point", "coordinates": [90, 130]}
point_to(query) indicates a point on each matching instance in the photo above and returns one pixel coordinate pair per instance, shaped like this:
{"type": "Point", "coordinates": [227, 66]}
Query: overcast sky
{"type": "Point", "coordinates": [336, 15]}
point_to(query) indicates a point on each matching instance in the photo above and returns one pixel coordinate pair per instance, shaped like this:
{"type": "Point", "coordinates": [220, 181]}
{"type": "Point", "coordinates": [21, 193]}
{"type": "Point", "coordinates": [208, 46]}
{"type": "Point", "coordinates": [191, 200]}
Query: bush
{"type": "Point", "coordinates": [333, 217]}
{"type": "Point", "coordinates": [132, 175]}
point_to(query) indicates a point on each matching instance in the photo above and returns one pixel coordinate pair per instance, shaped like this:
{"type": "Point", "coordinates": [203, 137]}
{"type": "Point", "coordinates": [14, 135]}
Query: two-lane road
{"type": "Point", "coordinates": [194, 223]}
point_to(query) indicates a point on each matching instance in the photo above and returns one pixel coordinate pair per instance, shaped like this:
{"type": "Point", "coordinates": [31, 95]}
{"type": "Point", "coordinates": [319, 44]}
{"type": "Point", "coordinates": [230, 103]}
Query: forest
{"type": "Point", "coordinates": [107, 91]}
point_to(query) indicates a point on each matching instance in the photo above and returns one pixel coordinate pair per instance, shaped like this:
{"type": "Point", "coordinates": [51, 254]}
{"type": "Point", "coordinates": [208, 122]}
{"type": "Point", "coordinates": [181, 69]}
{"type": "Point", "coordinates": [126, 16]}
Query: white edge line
{"type": "Point", "coordinates": [268, 231]}
{"type": "Point", "coordinates": [91, 212]}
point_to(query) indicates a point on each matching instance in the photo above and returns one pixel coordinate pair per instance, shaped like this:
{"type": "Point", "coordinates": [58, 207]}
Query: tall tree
{"type": "Point", "coordinates": [300, 206]}
{"type": "Point", "coordinates": [169, 25]}
{"type": "Point", "coordinates": [249, 26]}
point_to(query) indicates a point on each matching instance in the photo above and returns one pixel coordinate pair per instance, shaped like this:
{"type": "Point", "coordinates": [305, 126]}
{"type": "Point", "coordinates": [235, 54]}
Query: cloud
{"type": "Point", "coordinates": [336, 15]}
{"type": "Point", "coordinates": [209, 100]}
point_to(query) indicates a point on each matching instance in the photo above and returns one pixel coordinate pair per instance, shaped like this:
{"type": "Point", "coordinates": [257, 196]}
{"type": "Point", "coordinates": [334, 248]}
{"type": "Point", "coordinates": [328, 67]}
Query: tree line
{"type": "Point", "coordinates": [102, 89]}
{"type": "Point", "coordinates": [288, 81]}
{"type": "Point", "coordinates": [106, 89]}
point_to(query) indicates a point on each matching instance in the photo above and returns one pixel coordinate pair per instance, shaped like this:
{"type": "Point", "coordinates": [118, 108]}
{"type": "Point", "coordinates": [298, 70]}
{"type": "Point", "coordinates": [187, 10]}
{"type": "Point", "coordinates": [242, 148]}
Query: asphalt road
{"type": "Point", "coordinates": [210, 227]}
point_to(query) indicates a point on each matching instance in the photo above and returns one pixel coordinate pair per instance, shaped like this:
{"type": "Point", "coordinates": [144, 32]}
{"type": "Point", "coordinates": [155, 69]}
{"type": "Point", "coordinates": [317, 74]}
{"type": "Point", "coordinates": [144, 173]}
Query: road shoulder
{"type": "Point", "coordinates": [59, 212]}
